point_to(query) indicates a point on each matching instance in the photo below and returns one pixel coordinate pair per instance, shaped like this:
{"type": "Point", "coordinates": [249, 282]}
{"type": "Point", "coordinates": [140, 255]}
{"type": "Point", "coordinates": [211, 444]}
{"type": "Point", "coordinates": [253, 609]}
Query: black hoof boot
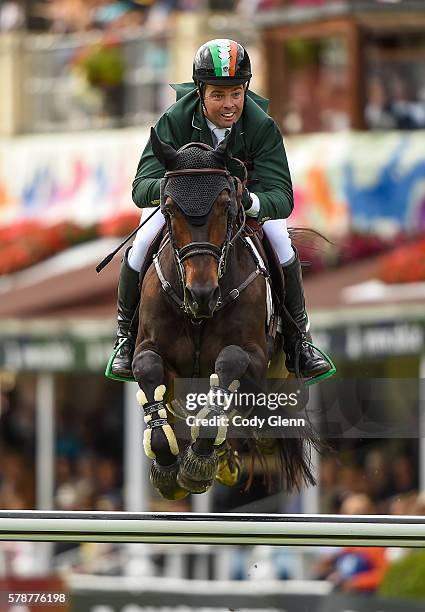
{"type": "Point", "coordinates": [164, 479]}
{"type": "Point", "coordinates": [197, 472]}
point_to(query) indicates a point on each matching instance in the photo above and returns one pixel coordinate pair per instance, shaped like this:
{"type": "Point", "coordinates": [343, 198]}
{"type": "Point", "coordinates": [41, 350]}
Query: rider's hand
{"type": "Point", "coordinates": [246, 199]}
{"type": "Point", "coordinates": [250, 203]}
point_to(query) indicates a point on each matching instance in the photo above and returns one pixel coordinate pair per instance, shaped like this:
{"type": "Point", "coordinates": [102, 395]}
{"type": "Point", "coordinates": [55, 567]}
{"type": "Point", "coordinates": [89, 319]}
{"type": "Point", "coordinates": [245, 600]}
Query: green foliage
{"type": "Point", "coordinates": [302, 53]}
{"type": "Point", "coordinates": [405, 579]}
{"type": "Point", "coordinates": [104, 66]}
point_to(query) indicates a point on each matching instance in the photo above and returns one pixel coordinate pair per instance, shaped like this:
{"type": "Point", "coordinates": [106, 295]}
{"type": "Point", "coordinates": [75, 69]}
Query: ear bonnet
{"type": "Point", "coordinates": [195, 195]}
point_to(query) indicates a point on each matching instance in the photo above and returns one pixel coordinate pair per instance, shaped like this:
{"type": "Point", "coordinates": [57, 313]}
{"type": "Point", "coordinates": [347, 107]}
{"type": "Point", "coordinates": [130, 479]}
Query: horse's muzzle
{"type": "Point", "coordinates": [202, 300]}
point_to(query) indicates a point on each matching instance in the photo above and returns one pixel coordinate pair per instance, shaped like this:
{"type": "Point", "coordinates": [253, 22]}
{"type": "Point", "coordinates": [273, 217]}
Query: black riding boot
{"type": "Point", "coordinates": [128, 300]}
{"type": "Point", "coordinates": [311, 361]}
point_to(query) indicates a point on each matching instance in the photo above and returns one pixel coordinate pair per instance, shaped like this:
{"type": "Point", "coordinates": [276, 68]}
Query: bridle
{"type": "Point", "coordinates": [235, 226]}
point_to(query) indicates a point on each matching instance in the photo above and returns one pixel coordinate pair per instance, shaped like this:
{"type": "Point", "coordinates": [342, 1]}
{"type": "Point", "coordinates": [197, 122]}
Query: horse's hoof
{"type": "Point", "coordinates": [197, 472]}
{"type": "Point", "coordinates": [229, 466]}
{"type": "Point", "coordinates": [164, 479]}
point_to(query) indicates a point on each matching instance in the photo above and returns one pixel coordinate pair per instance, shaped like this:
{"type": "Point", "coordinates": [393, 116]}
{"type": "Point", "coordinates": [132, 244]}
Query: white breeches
{"type": "Point", "coordinates": [276, 230]}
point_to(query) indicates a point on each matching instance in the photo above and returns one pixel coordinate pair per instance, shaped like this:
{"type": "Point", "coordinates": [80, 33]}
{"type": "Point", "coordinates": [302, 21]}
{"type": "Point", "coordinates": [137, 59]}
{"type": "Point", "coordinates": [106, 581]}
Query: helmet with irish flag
{"type": "Point", "coordinates": [221, 62]}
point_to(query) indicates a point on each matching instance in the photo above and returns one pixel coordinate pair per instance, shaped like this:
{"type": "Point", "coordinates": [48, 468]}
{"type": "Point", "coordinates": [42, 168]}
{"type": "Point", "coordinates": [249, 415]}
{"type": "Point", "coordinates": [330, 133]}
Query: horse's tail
{"type": "Point", "coordinates": [293, 456]}
{"type": "Point", "coordinates": [308, 237]}
{"type": "Point", "coordinates": [291, 466]}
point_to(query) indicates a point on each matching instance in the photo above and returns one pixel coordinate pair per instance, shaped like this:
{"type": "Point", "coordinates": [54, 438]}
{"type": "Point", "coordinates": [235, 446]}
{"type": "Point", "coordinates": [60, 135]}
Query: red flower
{"type": "Point", "coordinates": [406, 264]}
{"type": "Point", "coordinates": [120, 224]}
{"type": "Point", "coordinates": [27, 242]}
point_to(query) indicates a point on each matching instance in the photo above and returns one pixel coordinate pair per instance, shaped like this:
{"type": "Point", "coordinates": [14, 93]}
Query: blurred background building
{"type": "Point", "coordinates": [82, 83]}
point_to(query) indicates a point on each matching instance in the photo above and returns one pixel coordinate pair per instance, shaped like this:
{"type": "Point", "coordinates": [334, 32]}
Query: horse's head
{"type": "Point", "coordinates": [198, 201]}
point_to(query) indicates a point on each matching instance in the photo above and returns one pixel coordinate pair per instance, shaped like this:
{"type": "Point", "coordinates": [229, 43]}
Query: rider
{"type": "Point", "coordinates": [204, 112]}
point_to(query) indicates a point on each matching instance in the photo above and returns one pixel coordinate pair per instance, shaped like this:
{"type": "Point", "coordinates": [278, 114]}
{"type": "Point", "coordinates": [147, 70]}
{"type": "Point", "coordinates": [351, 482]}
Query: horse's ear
{"type": "Point", "coordinates": [163, 151]}
{"type": "Point", "coordinates": [224, 149]}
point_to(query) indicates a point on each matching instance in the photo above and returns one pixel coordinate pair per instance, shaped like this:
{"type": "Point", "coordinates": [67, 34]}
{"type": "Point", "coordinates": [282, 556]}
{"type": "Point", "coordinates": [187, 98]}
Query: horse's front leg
{"type": "Point", "coordinates": [159, 440]}
{"type": "Point", "coordinates": [200, 462]}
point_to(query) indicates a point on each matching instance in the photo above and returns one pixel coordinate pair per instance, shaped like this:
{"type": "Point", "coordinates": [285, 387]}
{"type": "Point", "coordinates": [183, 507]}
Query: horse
{"type": "Point", "coordinates": [202, 314]}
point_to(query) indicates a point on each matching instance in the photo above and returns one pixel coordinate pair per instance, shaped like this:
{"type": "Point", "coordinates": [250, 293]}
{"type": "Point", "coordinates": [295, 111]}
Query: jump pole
{"type": "Point", "coordinates": [192, 528]}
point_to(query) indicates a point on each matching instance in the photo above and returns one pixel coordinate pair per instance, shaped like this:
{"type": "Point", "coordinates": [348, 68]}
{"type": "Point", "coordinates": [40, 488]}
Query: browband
{"type": "Point", "coordinates": [195, 171]}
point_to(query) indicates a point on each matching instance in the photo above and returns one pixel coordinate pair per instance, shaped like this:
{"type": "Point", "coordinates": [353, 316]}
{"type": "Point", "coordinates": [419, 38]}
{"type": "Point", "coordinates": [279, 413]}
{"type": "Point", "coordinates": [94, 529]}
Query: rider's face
{"type": "Point", "coordinates": [224, 105]}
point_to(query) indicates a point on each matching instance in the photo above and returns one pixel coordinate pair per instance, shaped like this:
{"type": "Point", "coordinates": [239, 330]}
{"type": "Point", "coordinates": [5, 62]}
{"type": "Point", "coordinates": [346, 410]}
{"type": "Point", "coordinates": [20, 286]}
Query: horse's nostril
{"type": "Point", "coordinates": [203, 299]}
{"type": "Point", "coordinates": [192, 298]}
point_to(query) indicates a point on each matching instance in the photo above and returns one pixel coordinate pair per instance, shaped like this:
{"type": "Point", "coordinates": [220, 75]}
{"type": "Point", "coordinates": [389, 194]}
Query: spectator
{"type": "Point", "coordinates": [12, 16]}
{"type": "Point", "coordinates": [402, 504]}
{"type": "Point", "coordinates": [330, 484]}
{"type": "Point", "coordinates": [403, 474]}
{"type": "Point", "coordinates": [68, 16]}
{"type": "Point", "coordinates": [114, 15]}
{"type": "Point", "coordinates": [355, 569]}
{"type": "Point", "coordinates": [378, 112]}
{"type": "Point", "coordinates": [408, 113]}
{"type": "Point", "coordinates": [378, 476]}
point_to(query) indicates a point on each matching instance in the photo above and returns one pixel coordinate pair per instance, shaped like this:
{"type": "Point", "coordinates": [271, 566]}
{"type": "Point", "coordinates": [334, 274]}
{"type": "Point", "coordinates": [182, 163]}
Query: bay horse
{"type": "Point", "coordinates": [202, 314]}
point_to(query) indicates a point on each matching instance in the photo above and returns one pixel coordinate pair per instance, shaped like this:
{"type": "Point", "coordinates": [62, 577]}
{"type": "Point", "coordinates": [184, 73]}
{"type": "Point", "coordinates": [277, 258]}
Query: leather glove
{"type": "Point", "coordinates": [246, 199]}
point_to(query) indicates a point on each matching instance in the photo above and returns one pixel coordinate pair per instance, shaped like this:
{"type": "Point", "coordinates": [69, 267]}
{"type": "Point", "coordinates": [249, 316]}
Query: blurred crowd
{"type": "Point", "coordinates": [379, 477]}
{"type": "Point", "coordinates": [88, 452]}
{"type": "Point", "coordinates": [384, 472]}
{"type": "Point", "coordinates": [66, 16]}
{"type": "Point", "coordinates": [395, 103]}
{"type": "Point", "coordinates": [89, 455]}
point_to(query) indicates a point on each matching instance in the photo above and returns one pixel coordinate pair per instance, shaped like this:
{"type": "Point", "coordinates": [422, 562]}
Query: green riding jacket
{"type": "Point", "coordinates": [258, 142]}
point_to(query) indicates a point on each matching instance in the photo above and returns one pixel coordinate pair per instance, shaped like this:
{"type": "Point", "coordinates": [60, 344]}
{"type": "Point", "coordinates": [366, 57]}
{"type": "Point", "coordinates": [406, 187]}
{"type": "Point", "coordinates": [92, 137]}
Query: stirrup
{"type": "Point", "coordinates": [108, 370]}
{"type": "Point", "coordinates": [315, 379]}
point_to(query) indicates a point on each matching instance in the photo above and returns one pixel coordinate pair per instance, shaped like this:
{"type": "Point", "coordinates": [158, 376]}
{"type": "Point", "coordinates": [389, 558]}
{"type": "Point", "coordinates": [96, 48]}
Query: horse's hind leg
{"type": "Point", "coordinates": [200, 462]}
{"type": "Point", "coordinates": [159, 441]}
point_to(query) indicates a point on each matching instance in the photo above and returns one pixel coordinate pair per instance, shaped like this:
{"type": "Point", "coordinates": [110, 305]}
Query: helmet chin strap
{"type": "Point", "coordinates": [201, 86]}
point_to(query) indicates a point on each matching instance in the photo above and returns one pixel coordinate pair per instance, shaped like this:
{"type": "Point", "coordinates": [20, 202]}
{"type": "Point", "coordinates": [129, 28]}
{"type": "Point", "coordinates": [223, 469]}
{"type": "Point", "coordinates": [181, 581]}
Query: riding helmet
{"type": "Point", "coordinates": [221, 62]}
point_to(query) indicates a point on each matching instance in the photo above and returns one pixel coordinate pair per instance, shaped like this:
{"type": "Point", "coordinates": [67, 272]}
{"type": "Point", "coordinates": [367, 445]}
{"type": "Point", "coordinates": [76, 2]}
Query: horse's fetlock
{"type": "Point", "coordinates": [159, 440]}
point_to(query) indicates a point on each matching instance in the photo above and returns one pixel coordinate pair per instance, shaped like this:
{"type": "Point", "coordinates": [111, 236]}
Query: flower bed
{"type": "Point", "coordinates": [405, 264]}
{"type": "Point", "coordinates": [26, 243]}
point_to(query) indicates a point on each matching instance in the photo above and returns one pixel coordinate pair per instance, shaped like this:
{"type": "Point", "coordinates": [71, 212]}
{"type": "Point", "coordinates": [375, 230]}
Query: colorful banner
{"type": "Point", "coordinates": [84, 177]}
{"type": "Point", "coordinates": [364, 182]}
{"type": "Point", "coordinates": [367, 182]}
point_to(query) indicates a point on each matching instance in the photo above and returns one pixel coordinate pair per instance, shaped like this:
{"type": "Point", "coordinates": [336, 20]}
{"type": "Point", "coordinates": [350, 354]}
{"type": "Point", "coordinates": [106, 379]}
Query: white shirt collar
{"type": "Point", "coordinates": [218, 132]}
